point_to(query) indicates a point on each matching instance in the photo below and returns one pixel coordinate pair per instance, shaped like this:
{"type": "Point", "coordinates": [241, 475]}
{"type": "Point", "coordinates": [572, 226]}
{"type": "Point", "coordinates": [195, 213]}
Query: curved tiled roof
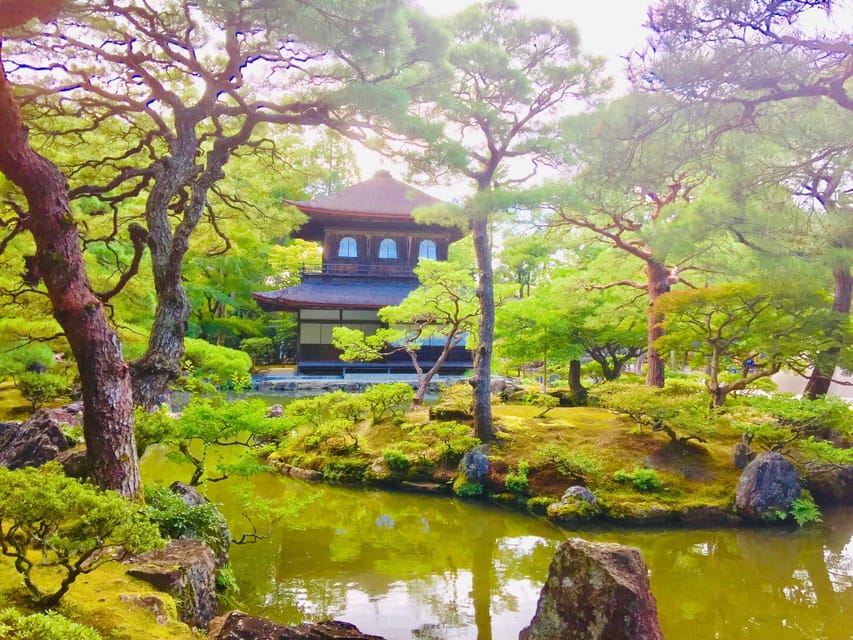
{"type": "Point", "coordinates": [336, 295]}
{"type": "Point", "coordinates": [380, 195]}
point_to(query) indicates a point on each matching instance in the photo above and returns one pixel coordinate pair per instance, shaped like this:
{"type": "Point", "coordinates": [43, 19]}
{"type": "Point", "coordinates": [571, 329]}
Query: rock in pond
{"type": "Point", "coordinates": [595, 591]}
{"type": "Point", "coordinates": [38, 440]}
{"type": "Point", "coordinates": [187, 570]}
{"type": "Point", "coordinates": [768, 485]}
{"type": "Point", "coordinates": [237, 625]}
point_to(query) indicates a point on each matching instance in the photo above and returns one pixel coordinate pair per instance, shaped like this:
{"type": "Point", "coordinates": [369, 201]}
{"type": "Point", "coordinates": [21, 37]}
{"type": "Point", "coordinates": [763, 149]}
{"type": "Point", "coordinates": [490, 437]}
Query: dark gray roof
{"type": "Point", "coordinates": [380, 195]}
{"type": "Point", "coordinates": [336, 295]}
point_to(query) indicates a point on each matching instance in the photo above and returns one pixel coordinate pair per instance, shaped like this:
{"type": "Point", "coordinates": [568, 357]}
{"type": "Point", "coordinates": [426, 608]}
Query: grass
{"type": "Point", "coordinates": [95, 600]}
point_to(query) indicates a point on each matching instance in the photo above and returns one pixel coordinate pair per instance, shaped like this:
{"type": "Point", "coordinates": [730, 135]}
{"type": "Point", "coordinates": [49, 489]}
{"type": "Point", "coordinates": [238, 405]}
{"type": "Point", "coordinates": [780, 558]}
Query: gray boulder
{"type": "Point", "coordinates": [474, 465]}
{"type": "Point", "coordinates": [237, 625]}
{"type": "Point", "coordinates": [276, 411]}
{"type": "Point", "coordinates": [831, 483]}
{"type": "Point", "coordinates": [595, 591]}
{"type": "Point", "coordinates": [742, 455]}
{"type": "Point", "coordinates": [768, 485]}
{"type": "Point", "coordinates": [577, 495]}
{"type": "Point", "coordinates": [187, 570]}
{"type": "Point", "coordinates": [38, 440]}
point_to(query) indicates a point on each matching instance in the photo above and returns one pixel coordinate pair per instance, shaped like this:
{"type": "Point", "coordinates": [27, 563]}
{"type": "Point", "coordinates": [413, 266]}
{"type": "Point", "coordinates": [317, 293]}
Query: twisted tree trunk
{"type": "Point", "coordinates": [104, 376]}
{"type": "Point", "coordinates": [826, 361]}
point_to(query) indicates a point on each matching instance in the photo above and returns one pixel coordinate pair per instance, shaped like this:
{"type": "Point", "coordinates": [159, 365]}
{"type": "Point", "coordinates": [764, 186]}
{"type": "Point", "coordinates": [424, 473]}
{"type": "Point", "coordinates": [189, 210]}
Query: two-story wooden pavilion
{"type": "Point", "coordinates": [371, 243]}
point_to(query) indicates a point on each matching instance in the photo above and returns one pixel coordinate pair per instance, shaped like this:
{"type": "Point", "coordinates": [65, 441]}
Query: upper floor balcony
{"type": "Point", "coordinates": [360, 270]}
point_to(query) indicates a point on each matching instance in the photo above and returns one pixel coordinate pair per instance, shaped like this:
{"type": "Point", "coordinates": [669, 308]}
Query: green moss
{"type": "Point", "coordinates": [539, 504]}
{"type": "Point", "coordinates": [467, 488]}
{"type": "Point", "coordinates": [103, 600]}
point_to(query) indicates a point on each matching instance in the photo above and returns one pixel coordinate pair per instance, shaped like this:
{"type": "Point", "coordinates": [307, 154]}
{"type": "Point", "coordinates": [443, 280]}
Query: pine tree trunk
{"type": "Point", "coordinates": [826, 361]}
{"type": "Point", "coordinates": [575, 385]}
{"type": "Point", "coordinates": [104, 376]}
{"type": "Point", "coordinates": [486, 331]}
{"type": "Point", "coordinates": [657, 285]}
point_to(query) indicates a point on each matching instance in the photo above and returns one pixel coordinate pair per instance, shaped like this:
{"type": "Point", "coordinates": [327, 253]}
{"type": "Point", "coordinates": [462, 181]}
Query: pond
{"type": "Point", "coordinates": [404, 565]}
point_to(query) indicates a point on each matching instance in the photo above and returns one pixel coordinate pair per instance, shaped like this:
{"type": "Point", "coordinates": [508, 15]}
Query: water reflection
{"type": "Point", "coordinates": [409, 566]}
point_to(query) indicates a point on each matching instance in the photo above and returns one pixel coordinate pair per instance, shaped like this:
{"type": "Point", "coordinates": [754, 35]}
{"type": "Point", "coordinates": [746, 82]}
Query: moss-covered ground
{"type": "Point", "coordinates": [106, 600]}
{"type": "Point", "coordinates": [567, 446]}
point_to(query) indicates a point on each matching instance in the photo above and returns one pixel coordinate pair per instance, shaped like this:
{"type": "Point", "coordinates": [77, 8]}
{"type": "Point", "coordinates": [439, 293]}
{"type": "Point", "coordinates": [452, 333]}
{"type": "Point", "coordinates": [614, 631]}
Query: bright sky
{"type": "Point", "coordinates": [609, 28]}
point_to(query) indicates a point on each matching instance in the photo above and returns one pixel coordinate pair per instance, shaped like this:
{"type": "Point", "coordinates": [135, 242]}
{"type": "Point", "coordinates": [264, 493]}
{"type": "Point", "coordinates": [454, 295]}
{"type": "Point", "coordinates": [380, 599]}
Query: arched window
{"type": "Point", "coordinates": [388, 249]}
{"type": "Point", "coordinates": [348, 248]}
{"type": "Point", "coordinates": [427, 249]}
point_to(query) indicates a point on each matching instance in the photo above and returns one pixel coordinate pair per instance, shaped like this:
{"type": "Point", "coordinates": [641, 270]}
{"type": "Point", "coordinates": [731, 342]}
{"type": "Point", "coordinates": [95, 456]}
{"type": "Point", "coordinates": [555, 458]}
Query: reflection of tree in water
{"type": "Point", "coordinates": [761, 584]}
{"type": "Point", "coordinates": [454, 564]}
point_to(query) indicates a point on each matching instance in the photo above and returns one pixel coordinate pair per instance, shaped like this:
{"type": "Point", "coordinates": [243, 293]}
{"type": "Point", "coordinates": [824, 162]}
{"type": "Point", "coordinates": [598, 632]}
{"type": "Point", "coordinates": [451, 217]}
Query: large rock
{"type": "Point", "coordinates": [38, 440]}
{"type": "Point", "coordinates": [474, 465]}
{"type": "Point", "coordinates": [237, 625]}
{"type": "Point", "coordinates": [831, 484]}
{"type": "Point", "coordinates": [595, 591]}
{"type": "Point", "coordinates": [187, 570]}
{"type": "Point", "coordinates": [217, 536]}
{"type": "Point", "coordinates": [767, 486]}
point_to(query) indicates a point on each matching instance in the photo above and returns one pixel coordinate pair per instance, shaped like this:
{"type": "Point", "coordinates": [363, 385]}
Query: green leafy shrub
{"type": "Point", "coordinates": [42, 626]}
{"type": "Point", "coordinates": [680, 409]}
{"type": "Point", "coordinates": [396, 460]}
{"type": "Point", "coordinates": [392, 399]}
{"type": "Point", "coordinates": [571, 463]}
{"type": "Point", "coordinates": [151, 427]}
{"type": "Point", "coordinates": [56, 528]}
{"type": "Point", "coordinates": [516, 481]}
{"type": "Point", "coordinates": [804, 511]}
{"type": "Point", "coordinates": [41, 388]}
{"type": "Point", "coordinates": [260, 350]}
{"type": "Point", "coordinates": [207, 423]}
{"type": "Point", "coordinates": [452, 439]}
{"type": "Point", "coordinates": [543, 400]}
{"type": "Point", "coordinates": [467, 488]}
{"type": "Point", "coordinates": [641, 479]}
{"type": "Point", "coordinates": [203, 360]}
{"type": "Point", "coordinates": [825, 452]}
{"type": "Point", "coordinates": [174, 519]}
{"type": "Point", "coordinates": [16, 360]}
{"type": "Point", "coordinates": [807, 417]}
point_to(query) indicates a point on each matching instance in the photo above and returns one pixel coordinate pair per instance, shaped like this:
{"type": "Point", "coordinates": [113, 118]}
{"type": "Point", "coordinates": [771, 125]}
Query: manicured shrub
{"type": "Point", "coordinates": [57, 527]}
{"type": "Point", "coordinates": [516, 481]}
{"type": "Point", "coordinates": [42, 626]}
{"type": "Point", "coordinates": [41, 388]}
{"type": "Point", "coordinates": [391, 399]}
{"type": "Point", "coordinates": [641, 479]}
{"type": "Point", "coordinates": [396, 460]}
{"type": "Point", "coordinates": [205, 361]}
{"type": "Point", "coordinates": [680, 409]}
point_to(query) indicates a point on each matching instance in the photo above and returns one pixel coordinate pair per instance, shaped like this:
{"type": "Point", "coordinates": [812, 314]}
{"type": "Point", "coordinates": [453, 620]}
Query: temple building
{"type": "Point", "coordinates": [371, 244]}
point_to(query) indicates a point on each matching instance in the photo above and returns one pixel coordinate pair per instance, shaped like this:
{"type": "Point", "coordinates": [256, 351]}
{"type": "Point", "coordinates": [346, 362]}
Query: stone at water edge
{"type": "Point", "coordinates": [595, 591]}
{"type": "Point", "coordinates": [276, 411]}
{"type": "Point", "coordinates": [474, 465]}
{"type": "Point", "coordinates": [187, 570]}
{"type": "Point", "coordinates": [237, 625]}
{"type": "Point", "coordinates": [768, 485]}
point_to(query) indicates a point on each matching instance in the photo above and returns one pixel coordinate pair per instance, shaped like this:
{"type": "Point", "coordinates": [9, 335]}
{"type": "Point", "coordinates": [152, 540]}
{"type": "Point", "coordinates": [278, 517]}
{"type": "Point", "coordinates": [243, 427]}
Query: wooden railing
{"type": "Point", "coordinates": [350, 269]}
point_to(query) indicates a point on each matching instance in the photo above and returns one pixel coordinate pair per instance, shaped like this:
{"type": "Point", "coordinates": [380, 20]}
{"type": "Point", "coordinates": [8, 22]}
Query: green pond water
{"type": "Point", "coordinates": [403, 566]}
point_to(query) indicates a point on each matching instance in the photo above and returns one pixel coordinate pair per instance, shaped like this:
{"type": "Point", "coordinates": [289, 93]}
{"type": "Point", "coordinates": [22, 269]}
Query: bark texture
{"type": "Point", "coordinates": [104, 375]}
{"type": "Point", "coordinates": [825, 363]}
{"type": "Point", "coordinates": [656, 274]}
{"type": "Point", "coordinates": [486, 331]}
